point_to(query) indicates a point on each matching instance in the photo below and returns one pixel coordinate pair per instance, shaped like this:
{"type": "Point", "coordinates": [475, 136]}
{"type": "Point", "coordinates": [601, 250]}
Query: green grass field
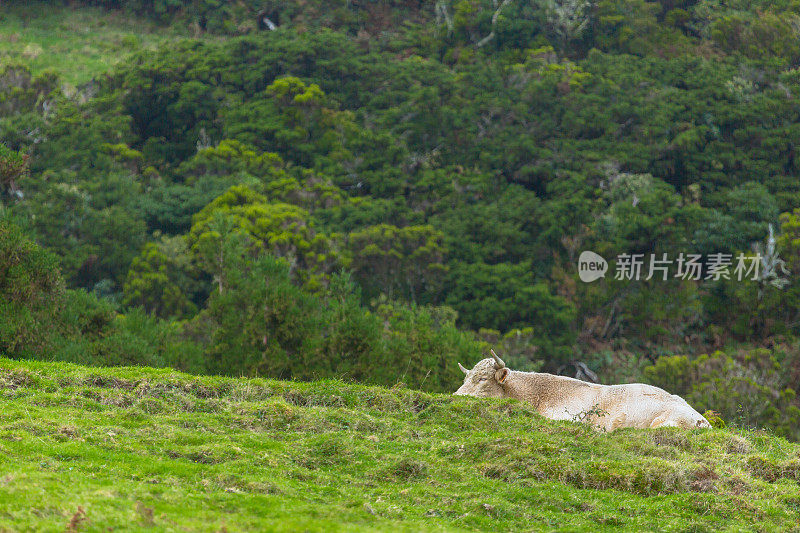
{"type": "Point", "coordinates": [79, 44]}
{"type": "Point", "coordinates": [127, 448]}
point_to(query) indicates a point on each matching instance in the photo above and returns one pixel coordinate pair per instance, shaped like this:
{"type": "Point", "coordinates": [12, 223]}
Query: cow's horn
{"type": "Point", "coordinates": [464, 370]}
{"type": "Point", "coordinates": [500, 363]}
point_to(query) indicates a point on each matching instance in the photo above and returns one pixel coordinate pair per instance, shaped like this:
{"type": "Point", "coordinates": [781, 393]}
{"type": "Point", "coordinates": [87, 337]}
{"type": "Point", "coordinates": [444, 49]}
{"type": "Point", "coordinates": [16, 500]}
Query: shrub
{"type": "Point", "coordinates": [31, 289]}
{"type": "Point", "coordinates": [750, 389]}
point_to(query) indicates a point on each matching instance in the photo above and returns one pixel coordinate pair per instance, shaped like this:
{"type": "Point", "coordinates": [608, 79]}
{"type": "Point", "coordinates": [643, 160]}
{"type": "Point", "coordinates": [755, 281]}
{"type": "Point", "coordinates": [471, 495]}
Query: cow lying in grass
{"type": "Point", "coordinates": [607, 407]}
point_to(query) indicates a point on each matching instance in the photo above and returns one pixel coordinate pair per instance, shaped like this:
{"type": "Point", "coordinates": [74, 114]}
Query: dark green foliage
{"type": "Point", "coordinates": [283, 230]}
{"type": "Point", "coordinates": [354, 337]}
{"type": "Point", "coordinates": [13, 165]}
{"type": "Point", "coordinates": [236, 18]}
{"type": "Point", "coordinates": [94, 334]}
{"type": "Point", "coordinates": [31, 289]}
{"type": "Point", "coordinates": [258, 322]}
{"type": "Point", "coordinates": [22, 92]}
{"type": "Point", "coordinates": [424, 346]}
{"type": "Point", "coordinates": [158, 282]}
{"type": "Point", "coordinates": [506, 297]}
{"type": "Point", "coordinates": [40, 320]}
{"type": "Point", "coordinates": [751, 389]}
{"type": "Point", "coordinates": [398, 262]}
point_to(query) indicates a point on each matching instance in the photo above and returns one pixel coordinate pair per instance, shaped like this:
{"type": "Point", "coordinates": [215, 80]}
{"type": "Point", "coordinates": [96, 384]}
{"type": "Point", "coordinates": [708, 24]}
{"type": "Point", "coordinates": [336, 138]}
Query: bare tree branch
{"type": "Point", "coordinates": [441, 13]}
{"type": "Point", "coordinates": [496, 15]}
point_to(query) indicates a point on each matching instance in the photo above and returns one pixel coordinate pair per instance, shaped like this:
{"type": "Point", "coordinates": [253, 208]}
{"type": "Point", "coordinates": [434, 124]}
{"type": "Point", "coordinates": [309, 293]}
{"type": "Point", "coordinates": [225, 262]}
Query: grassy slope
{"type": "Point", "coordinates": [130, 447]}
{"type": "Point", "coordinates": [79, 44]}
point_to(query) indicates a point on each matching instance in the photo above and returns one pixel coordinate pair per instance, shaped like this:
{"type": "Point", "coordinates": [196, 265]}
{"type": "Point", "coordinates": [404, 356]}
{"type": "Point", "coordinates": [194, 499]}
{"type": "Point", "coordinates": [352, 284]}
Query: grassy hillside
{"type": "Point", "coordinates": [90, 449]}
{"type": "Point", "coordinates": [78, 43]}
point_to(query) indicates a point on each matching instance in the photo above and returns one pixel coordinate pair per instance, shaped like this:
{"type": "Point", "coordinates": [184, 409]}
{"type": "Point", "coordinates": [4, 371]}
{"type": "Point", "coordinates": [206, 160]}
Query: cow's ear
{"type": "Point", "coordinates": [501, 375]}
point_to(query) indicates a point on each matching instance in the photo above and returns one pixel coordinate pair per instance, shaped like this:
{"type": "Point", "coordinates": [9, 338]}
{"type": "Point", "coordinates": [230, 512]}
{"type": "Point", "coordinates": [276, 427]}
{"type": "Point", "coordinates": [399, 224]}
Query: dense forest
{"type": "Point", "coordinates": [379, 189]}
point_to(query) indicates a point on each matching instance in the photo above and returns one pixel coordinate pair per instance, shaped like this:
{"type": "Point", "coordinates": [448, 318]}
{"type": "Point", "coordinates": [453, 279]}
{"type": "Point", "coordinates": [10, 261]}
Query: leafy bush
{"type": "Point", "coordinates": [13, 165]}
{"type": "Point", "coordinates": [751, 389]}
{"type": "Point", "coordinates": [31, 292]}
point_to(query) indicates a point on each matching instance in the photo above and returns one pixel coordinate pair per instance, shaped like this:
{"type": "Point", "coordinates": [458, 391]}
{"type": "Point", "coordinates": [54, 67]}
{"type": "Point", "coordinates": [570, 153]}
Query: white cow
{"type": "Point", "coordinates": [607, 407]}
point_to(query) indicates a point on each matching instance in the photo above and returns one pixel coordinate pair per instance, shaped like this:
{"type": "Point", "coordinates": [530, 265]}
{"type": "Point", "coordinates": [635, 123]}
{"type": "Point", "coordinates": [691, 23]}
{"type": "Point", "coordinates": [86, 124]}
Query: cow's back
{"type": "Point", "coordinates": [556, 397]}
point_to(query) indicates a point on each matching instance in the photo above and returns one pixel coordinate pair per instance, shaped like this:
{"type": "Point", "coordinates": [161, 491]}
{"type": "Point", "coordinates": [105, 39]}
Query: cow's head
{"type": "Point", "coordinates": [485, 380]}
